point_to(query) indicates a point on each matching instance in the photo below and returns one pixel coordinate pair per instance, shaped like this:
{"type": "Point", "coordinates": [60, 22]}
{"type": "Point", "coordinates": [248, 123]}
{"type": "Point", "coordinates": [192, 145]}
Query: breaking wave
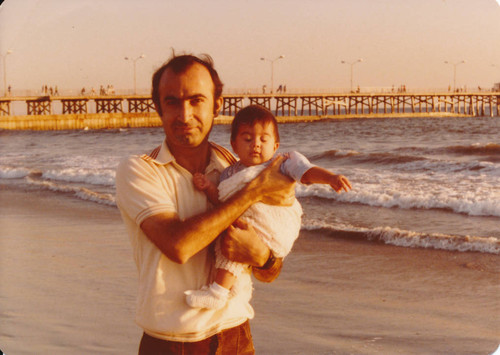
{"type": "Point", "coordinates": [411, 239]}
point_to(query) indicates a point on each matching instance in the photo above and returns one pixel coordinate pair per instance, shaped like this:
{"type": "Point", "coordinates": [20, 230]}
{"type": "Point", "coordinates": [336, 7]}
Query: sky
{"type": "Point", "coordinates": [83, 43]}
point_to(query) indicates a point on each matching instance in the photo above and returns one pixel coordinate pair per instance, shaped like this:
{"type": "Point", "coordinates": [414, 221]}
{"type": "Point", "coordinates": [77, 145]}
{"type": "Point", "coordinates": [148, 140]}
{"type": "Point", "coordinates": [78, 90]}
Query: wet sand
{"type": "Point", "coordinates": [67, 278]}
{"type": "Point", "coordinates": [68, 286]}
{"type": "Point", "coordinates": [353, 297]}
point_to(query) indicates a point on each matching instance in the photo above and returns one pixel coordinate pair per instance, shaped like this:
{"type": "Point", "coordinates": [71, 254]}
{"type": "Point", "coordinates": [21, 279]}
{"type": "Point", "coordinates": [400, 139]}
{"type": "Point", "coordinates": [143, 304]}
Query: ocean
{"type": "Point", "coordinates": [404, 263]}
{"type": "Point", "coordinates": [417, 182]}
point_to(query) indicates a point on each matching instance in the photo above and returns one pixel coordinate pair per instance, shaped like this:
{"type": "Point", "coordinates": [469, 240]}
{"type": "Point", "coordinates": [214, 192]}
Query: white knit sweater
{"type": "Point", "coordinates": [278, 226]}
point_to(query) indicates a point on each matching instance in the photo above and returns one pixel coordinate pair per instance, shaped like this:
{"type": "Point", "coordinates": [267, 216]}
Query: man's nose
{"type": "Point", "coordinates": [185, 111]}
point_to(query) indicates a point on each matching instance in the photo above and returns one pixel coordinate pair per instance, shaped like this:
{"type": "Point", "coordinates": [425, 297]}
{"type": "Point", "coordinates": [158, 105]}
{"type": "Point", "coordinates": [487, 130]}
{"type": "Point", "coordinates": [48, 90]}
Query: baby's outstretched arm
{"type": "Point", "coordinates": [202, 183]}
{"type": "Point", "coordinates": [317, 175]}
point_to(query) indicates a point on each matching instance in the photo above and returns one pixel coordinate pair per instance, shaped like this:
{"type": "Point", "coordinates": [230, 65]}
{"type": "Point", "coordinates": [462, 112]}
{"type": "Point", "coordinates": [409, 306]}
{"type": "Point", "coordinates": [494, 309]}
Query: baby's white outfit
{"type": "Point", "coordinates": [278, 226]}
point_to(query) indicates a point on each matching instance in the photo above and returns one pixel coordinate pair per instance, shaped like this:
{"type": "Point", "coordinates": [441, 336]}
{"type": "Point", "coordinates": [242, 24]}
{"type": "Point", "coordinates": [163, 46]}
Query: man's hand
{"type": "Point", "coordinates": [241, 243]}
{"type": "Point", "coordinates": [273, 187]}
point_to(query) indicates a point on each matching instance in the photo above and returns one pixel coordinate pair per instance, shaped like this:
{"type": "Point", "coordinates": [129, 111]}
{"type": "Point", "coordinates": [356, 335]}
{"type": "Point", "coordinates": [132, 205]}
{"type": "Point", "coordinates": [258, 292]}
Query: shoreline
{"type": "Point", "coordinates": [51, 122]}
{"type": "Point", "coordinates": [68, 286]}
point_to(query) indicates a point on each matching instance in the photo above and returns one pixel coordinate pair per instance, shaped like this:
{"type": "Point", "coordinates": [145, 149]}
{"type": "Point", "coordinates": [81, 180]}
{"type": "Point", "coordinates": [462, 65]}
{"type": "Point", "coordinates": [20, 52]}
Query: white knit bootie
{"type": "Point", "coordinates": [213, 297]}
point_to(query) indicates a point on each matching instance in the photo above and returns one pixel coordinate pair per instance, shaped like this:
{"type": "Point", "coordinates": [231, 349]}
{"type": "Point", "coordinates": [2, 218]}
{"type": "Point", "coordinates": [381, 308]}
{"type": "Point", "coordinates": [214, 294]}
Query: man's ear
{"type": "Point", "coordinates": [218, 106]}
{"type": "Point", "coordinates": [276, 146]}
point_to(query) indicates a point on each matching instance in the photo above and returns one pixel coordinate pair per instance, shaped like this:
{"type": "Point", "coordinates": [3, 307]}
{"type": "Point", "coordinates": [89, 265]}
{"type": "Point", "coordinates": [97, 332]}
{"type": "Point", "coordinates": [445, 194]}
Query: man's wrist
{"type": "Point", "coordinates": [252, 194]}
{"type": "Point", "coordinates": [271, 260]}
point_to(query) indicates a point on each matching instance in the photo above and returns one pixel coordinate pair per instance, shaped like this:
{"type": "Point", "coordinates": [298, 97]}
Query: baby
{"type": "Point", "coordinates": [255, 139]}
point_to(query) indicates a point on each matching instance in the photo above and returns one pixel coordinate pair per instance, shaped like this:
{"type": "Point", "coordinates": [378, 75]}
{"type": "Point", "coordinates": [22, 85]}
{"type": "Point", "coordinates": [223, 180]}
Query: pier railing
{"type": "Point", "coordinates": [285, 106]}
{"type": "Point", "coordinates": [473, 104]}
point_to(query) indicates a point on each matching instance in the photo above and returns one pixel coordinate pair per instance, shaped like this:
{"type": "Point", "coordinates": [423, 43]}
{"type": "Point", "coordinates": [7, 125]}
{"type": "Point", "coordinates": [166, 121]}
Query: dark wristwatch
{"type": "Point", "coordinates": [269, 263]}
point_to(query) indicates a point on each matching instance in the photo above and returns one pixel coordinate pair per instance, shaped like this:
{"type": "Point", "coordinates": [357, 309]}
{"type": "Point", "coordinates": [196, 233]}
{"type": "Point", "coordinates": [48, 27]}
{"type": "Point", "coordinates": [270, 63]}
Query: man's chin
{"type": "Point", "coordinates": [189, 140]}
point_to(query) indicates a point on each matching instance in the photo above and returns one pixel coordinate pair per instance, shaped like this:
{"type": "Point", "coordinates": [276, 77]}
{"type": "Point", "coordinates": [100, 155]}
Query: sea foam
{"type": "Point", "coordinates": [411, 239]}
{"type": "Point", "coordinates": [13, 173]}
{"type": "Point", "coordinates": [80, 192]}
{"type": "Point", "coordinates": [477, 195]}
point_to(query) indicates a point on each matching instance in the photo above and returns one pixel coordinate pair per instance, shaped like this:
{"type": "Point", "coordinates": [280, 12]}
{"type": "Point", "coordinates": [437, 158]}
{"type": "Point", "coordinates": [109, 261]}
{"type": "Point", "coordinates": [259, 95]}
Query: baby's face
{"type": "Point", "coordinates": [255, 144]}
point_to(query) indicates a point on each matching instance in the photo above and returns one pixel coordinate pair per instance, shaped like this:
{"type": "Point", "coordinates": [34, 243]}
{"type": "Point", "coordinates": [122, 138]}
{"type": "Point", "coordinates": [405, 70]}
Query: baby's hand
{"type": "Point", "coordinates": [200, 181]}
{"type": "Point", "coordinates": [339, 183]}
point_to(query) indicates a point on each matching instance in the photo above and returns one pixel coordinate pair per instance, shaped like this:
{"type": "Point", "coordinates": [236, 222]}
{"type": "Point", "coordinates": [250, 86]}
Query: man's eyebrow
{"type": "Point", "coordinates": [194, 96]}
{"type": "Point", "coordinates": [197, 96]}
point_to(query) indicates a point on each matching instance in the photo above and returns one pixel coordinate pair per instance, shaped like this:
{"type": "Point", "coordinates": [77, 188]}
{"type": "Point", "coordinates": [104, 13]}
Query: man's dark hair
{"type": "Point", "coordinates": [179, 64]}
{"type": "Point", "coordinates": [251, 115]}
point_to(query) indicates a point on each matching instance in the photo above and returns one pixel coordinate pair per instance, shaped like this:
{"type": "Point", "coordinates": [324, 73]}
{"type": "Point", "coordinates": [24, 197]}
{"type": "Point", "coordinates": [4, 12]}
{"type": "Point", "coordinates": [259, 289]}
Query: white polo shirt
{"type": "Point", "coordinates": [151, 184]}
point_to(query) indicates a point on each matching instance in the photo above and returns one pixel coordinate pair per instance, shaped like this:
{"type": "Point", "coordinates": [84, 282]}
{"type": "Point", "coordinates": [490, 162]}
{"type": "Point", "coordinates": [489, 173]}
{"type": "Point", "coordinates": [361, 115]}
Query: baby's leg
{"type": "Point", "coordinates": [225, 278]}
{"type": "Point", "coordinates": [214, 296]}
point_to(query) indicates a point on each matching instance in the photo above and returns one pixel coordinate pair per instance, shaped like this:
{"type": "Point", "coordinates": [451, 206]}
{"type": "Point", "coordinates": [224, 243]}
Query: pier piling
{"type": "Point", "coordinates": [108, 111]}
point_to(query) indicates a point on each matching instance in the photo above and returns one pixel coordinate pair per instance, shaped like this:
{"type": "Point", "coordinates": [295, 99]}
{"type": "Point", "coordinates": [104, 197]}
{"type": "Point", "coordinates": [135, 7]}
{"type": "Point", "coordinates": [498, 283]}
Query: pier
{"type": "Point", "coordinates": [120, 111]}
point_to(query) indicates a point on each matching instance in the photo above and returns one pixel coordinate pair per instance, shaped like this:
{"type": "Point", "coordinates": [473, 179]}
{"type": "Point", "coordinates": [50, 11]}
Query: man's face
{"type": "Point", "coordinates": [255, 144]}
{"type": "Point", "coordinates": [187, 105]}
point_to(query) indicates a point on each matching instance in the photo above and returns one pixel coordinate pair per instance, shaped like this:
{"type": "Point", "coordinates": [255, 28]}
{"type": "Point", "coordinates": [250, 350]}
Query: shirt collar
{"type": "Point", "coordinates": [164, 155]}
{"type": "Point", "coordinates": [161, 155]}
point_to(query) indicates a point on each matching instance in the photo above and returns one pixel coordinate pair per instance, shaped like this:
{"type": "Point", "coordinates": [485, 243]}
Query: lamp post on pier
{"type": "Point", "coordinates": [352, 65]}
{"type": "Point", "coordinates": [454, 72]}
{"type": "Point", "coordinates": [272, 69]}
{"type": "Point", "coordinates": [135, 61]}
{"type": "Point", "coordinates": [496, 86]}
{"type": "Point", "coordinates": [4, 60]}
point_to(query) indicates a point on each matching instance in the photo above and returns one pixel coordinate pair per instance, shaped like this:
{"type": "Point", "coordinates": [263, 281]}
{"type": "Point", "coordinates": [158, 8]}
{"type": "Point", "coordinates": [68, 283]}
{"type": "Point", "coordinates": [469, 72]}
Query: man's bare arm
{"type": "Point", "coordinates": [180, 240]}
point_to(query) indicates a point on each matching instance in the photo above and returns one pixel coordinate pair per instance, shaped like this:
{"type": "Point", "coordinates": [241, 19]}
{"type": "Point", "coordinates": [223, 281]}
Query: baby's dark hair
{"type": "Point", "coordinates": [251, 115]}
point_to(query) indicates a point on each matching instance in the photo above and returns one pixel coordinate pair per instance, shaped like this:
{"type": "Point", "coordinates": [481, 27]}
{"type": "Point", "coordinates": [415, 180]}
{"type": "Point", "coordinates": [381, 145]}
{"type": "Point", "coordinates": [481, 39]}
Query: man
{"type": "Point", "coordinates": [172, 226]}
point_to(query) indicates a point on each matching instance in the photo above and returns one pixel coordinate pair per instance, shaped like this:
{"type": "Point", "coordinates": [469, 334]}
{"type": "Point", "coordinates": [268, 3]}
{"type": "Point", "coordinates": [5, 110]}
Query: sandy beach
{"type": "Point", "coordinates": [68, 286]}
{"type": "Point", "coordinates": [379, 299]}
